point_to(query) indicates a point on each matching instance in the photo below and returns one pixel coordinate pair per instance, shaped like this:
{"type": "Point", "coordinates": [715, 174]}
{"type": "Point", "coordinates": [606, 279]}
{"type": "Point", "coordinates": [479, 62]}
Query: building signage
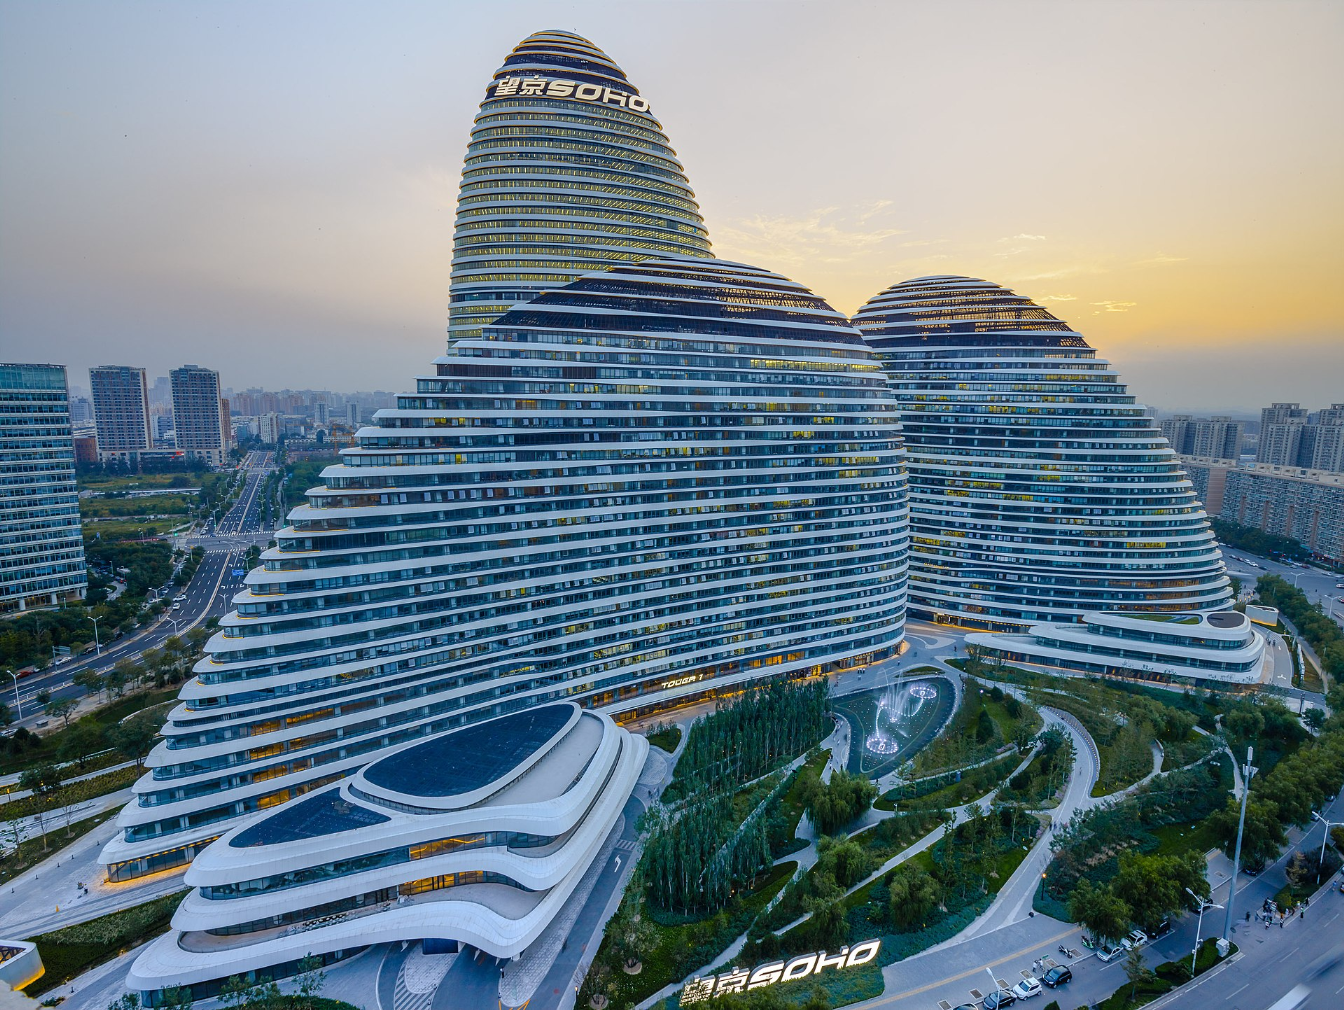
{"type": "Point", "coordinates": [735, 980]}
{"type": "Point", "coordinates": [539, 87]}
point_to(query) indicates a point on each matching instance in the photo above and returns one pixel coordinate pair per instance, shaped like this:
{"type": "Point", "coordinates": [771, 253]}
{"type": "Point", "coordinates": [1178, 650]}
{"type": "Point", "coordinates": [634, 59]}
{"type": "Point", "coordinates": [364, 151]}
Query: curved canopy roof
{"type": "Point", "coordinates": [471, 758]}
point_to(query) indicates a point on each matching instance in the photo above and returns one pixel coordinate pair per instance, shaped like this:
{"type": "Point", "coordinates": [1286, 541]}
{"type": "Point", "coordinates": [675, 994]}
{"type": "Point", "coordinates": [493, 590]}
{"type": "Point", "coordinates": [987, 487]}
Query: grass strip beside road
{"type": "Point", "coordinates": [72, 950]}
{"type": "Point", "coordinates": [30, 852]}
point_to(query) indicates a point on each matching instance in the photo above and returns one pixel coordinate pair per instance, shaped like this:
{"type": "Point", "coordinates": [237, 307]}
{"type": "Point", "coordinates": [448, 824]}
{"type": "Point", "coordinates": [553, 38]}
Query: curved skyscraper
{"type": "Point", "coordinates": [637, 478]}
{"type": "Point", "coordinates": [1039, 489]}
{"type": "Point", "coordinates": [567, 172]}
{"type": "Point", "coordinates": [652, 484]}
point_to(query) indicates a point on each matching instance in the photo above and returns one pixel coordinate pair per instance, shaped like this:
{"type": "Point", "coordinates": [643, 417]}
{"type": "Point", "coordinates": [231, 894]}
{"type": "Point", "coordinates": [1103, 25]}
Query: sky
{"type": "Point", "coordinates": [268, 188]}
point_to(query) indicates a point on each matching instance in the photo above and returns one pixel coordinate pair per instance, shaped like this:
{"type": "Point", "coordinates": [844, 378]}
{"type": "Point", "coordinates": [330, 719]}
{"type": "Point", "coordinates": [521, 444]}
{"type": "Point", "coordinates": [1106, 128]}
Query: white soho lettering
{"type": "Point", "coordinates": [736, 980]}
{"type": "Point", "coordinates": [507, 87]}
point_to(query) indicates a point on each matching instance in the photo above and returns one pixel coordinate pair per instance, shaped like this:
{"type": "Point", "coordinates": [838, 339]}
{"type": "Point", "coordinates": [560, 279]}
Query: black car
{"type": "Point", "coordinates": [1057, 976]}
{"type": "Point", "coordinates": [999, 999]}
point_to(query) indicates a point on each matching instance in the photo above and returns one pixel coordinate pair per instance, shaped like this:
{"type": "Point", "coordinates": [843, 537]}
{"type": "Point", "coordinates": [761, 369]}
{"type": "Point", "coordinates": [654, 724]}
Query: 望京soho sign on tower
{"type": "Point", "coordinates": [735, 980]}
{"type": "Point", "coordinates": [540, 86]}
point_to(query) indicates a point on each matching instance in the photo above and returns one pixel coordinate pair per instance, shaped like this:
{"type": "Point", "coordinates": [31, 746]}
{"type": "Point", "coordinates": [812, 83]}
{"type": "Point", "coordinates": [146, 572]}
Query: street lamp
{"type": "Point", "coordinates": [1203, 904]}
{"type": "Point", "coordinates": [17, 701]}
{"type": "Point", "coordinates": [97, 644]}
{"type": "Point", "coordinates": [1247, 772]}
{"type": "Point", "coordinates": [1320, 863]}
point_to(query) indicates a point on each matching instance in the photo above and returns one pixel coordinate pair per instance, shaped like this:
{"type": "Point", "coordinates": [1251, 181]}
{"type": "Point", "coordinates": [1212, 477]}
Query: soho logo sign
{"type": "Point", "coordinates": [540, 86]}
{"type": "Point", "coordinates": [697, 990]}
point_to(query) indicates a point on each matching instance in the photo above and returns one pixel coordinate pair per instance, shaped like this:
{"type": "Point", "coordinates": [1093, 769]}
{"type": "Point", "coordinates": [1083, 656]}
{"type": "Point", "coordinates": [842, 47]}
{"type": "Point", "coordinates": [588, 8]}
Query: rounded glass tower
{"type": "Point", "coordinates": [567, 172]}
{"type": "Point", "coordinates": [1039, 489]}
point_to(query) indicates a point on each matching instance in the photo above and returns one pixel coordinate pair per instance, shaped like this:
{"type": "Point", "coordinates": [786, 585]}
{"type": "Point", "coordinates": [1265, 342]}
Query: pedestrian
{"type": "Point", "coordinates": [1302, 914]}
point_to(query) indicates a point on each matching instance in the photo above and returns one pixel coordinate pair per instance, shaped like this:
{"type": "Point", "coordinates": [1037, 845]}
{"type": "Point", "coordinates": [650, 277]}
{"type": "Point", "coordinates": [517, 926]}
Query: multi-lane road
{"type": "Point", "coordinates": [1319, 587]}
{"type": "Point", "coordinates": [207, 595]}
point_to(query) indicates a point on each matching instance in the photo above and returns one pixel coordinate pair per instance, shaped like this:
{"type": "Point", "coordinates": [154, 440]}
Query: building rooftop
{"type": "Point", "coordinates": [324, 814]}
{"type": "Point", "coordinates": [472, 757]}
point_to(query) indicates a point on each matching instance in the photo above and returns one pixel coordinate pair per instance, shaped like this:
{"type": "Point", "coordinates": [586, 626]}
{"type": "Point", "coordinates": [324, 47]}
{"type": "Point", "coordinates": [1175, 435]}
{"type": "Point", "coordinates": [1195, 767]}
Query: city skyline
{"type": "Point", "coordinates": [284, 203]}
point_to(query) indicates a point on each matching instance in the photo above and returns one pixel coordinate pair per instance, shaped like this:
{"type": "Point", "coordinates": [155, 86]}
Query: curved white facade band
{"type": "Point", "coordinates": [476, 836]}
{"type": "Point", "coordinates": [567, 172]}
{"type": "Point", "coordinates": [1039, 489]}
{"type": "Point", "coordinates": [1220, 646]}
{"type": "Point", "coordinates": [665, 479]}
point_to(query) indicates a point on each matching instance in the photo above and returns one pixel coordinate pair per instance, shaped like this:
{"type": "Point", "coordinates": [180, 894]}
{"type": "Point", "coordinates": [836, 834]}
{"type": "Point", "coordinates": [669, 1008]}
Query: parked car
{"type": "Point", "coordinates": [1164, 927]}
{"type": "Point", "coordinates": [1136, 938]}
{"type": "Point", "coordinates": [1057, 976]}
{"type": "Point", "coordinates": [998, 999]}
{"type": "Point", "coordinates": [1106, 952]}
{"type": "Point", "coordinates": [182, 598]}
{"type": "Point", "coordinates": [1027, 988]}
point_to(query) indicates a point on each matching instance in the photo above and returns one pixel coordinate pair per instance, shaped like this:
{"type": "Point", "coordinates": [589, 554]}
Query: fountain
{"type": "Point", "coordinates": [896, 707]}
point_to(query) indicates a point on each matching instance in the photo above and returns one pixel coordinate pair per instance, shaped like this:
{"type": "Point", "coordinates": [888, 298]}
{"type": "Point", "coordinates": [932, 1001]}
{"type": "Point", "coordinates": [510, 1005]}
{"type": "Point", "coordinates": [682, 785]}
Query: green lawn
{"type": "Point", "coordinates": [73, 950]}
{"type": "Point", "coordinates": [791, 804]}
{"type": "Point", "coordinates": [105, 717]}
{"type": "Point", "coordinates": [666, 739]}
{"type": "Point", "coordinates": [1181, 837]}
{"type": "Point", "coordinates": [676, 949]}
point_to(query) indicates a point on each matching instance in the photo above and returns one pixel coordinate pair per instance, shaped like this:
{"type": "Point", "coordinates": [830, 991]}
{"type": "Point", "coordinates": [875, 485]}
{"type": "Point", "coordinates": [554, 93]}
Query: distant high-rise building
{"type": "Point", "coordinates": [81, 410]}
{"type": "Point", "coordinates": [1307, 505]}
{"type": "Point", "coordinates": [1327, 443]}
{"type": "Point", "coordinates": [321, 412]}
{"type": "Point", "coordinates": [1212, 437]}
{"type": "Point", "coordinates": [352, 413]}
{"type": "Point", "coordinates": [199, 415]}
{"type": "Point", "coordinates": [1281, 434]}
{"type": "Point", "coordinates": [1217, 437]}
{"type": "Point", "coordinates": [121, 412]}
{"type": "Point", "coordinates": [161, 392]}
{"type": "Point", "coordinates": [269, 428]}
{"type": "Point", "coordinates": [40, 539]}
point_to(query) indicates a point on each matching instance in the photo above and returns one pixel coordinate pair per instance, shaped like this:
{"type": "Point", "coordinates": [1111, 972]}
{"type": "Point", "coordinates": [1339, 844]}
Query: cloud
{"type": "Point", "coordinates": [1161, 259]}
{"type": "Point", "coordinates": [1113, 307]}
{"type": "Point", "coordinates": [1056, 298]}
{"type": "Point", "coordinates": [1024, 238]}
{"type": "Point", "coordinates": [825, 235]}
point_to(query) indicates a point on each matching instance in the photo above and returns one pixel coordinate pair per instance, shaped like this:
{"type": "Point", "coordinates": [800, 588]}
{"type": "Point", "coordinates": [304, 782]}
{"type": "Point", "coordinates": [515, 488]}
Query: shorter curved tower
{"type": "Point", "coordinates": [477, 836]}
{"type": "Point", "coordinates": [1039, 489]}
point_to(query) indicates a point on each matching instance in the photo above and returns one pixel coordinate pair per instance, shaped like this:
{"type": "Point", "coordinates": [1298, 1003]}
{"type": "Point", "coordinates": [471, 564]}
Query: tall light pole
{"type": "Point", "coordinates": [97, 644]}
{"type": "Point", "coordinates": [1247, 771]}
{"type": "Point", "coordinates": [17, 700]}
{"type": "Point", "coordinates": [1203, 904]}
{"type": "Point", "coordinates": [1320, 863]}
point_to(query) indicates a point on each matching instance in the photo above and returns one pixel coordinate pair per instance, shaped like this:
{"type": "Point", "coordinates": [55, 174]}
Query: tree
{"type": "Point", "coordinates": [311, 978]}
{"type": "Point", "coordinates": [1263, 836]}
{"type": "Point", "coordinates": [61, 708]}
{"type": "Point", "coordinates": [6, 716]}
{"type": "Point", "coordinates": [43, 782]}
{"type": "Point", "coordinates": [1136, 971]}
{"type": "Point", "coordinates": [90, 680]}
{"type": "Point", "coordinates": [197, 637]}
{"type": "Point", "coordinates": [834, 804]}
{"type": "Point", "coordinates": [911, 894]}
{"type": "Point", "coordinates": [1154, 886]}
{"type": "Point", "coordinates": [1299, 869]}
{"type": "Point", "coordinates": [134, 737]}
{"type": "Point", "coordinates": [80, 741]}
{"type": "Point", "coordinates": [1098, 909]}
{"type": "Point", "coordinates": [1314, 718]}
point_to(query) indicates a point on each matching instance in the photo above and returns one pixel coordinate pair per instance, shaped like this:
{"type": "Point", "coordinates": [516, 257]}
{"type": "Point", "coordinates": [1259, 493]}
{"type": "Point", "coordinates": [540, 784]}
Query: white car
{"type": "Point", "coordinates": [1136, 938]}
{"type": "Point", "coordinates": [1105, 952]}
{"type": "Point", "coordinates": [1027, 988]}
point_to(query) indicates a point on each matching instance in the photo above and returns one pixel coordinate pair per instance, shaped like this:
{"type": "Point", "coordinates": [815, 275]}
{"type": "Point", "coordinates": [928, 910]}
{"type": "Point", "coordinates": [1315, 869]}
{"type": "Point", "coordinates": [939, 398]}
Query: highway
{"type": "Point", "coordinates": [207, 595]}
{"type": "Point", "coordinates": [1319, 586]}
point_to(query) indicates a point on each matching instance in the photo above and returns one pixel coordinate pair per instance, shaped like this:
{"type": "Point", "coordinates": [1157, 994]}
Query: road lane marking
{"type": "Point", "coordinates": [885, 999]}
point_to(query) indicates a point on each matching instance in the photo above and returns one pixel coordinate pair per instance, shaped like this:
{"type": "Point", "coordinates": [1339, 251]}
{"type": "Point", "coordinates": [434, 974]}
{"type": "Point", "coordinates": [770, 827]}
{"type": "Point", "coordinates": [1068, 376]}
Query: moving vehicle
{"type": "Point", "coordinates": [1027, 988]}
{"type": "Point", "coordinates": [1057, 976]}
{"type": "Point", "coordinates": [998, 999]}
{"type": "Point", "coordinates": [180, 598]}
